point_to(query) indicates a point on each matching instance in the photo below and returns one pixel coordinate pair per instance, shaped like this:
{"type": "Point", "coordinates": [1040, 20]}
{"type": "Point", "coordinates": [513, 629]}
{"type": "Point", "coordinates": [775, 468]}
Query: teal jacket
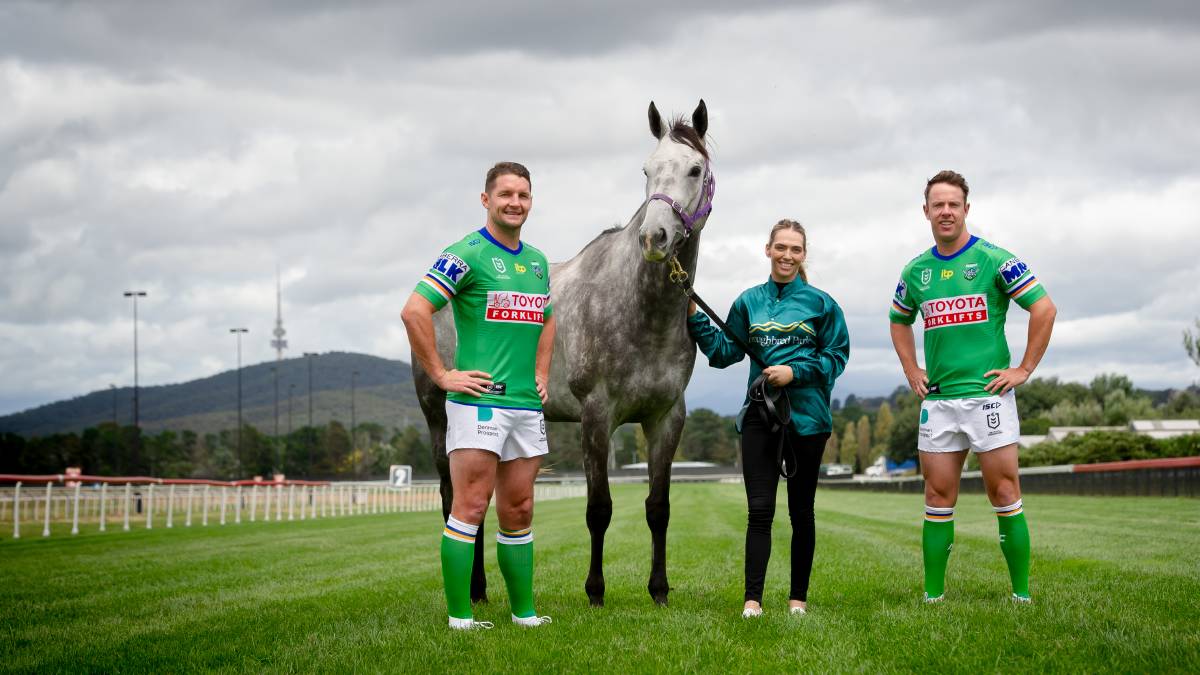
{"type": "Point", "coordinates": [798, 325]}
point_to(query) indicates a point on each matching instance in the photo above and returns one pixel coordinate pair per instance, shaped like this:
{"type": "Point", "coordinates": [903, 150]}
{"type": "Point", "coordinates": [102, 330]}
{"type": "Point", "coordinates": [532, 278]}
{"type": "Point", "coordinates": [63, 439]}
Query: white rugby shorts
{"type": "Point", "coordinates": [511, 434]}
{"type": "Point", "coordinates": [978, 424]}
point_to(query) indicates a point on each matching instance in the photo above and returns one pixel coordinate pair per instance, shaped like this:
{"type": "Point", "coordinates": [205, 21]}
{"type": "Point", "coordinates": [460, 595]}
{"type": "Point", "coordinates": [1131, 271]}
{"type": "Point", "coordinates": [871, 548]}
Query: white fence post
{"type": "Point", "coordinates": [171, 506]}
{"type": "Point", "coordinates": [75, 517]}
{"type": "Point", "coordinates": [303, 501]}
{"type": "Point", "coordinates": [291, 501]}
{"type": "Point", "coordinates": [103, 503]}
{"type": "Point", "coordinates": [278, 502]}
{"type": "Point", "coordinates": [191, 493]}
{"type": "Point", "coordinates": [17, 512]}
{"type": "Point", "coordinates": [204, 505]}
{"type": "Point", "coordinates": [46, 527]}
{"type": "Point", "coordinates": [128, 488]}
{"type": "Point", "coordinates": [267, 504]}
{"type": "Point", "coordinates": [224, 499]}
{"type": "Point", "coordinates": [150, 508]}
{"type": "Point", "coordinates": [237, 505]}
{"type": "Point", "coordinates": [253, 502]}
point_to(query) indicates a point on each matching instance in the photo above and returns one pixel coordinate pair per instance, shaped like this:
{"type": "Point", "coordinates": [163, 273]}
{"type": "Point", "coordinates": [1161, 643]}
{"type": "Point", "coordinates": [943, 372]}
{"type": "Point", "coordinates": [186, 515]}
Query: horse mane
{"type": "Point", "coordinates": [682, 132]}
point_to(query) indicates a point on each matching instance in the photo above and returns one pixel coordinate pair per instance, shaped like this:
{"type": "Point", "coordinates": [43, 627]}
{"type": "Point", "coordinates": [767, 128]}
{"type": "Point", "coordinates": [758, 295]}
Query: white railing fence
{"type": "Point", "coordinates": [116, 505]}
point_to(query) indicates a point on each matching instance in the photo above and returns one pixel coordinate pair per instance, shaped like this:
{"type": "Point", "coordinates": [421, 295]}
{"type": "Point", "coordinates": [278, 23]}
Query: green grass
{"type": "Point", "coordinates": [1116, 583]}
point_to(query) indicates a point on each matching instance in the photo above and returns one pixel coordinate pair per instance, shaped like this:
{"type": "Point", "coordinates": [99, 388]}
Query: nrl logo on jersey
{"type": "Point", "coordinates": [971, 271]}
{"type": "Point", "coordinates": [926, 276]}
{"type": "Point", "coordinates": [499, 265]}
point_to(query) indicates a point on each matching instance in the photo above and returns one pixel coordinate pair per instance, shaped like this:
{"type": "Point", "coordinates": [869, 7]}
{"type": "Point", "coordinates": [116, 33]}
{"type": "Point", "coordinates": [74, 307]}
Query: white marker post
{"type": "Point", "coordinates": [267, 505]}
{"type": "Point", "coordinates": [291, 501]}
{"type": "Point", "coordinates": [171, 506]}
{"type": "Point", "coordinates": [46, 527]}
{"type": "Point", "coordinates": [303, 501]}
{"type": "Point", "coordinates": [75, 516]}
{"type": "Point", "coordinates": [127, 489]}
{"type": "Point", "coordinates": [204, 512]}
{"type": "Point", "coordinates": [253, 502]}
{"type": "Point", "coordinates": [278, 502]}
{"type": "Point", "coordinates": [237, 505]}
{"type": "Point", "coordinates": [191, 493]}
{"type": "Point", "coordinates": [103, 503]}
{"type": "Point", "coordinates": [150, 507]}
{"type": "Point", "coordinates": [17, 512]}
{"type": "Point", "coordinates": [224, 498]}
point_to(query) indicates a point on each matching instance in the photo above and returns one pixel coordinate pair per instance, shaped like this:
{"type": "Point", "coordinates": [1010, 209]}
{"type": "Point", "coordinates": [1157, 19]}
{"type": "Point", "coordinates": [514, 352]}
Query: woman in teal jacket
{"type": "Point", "coordinates": [800, 332]}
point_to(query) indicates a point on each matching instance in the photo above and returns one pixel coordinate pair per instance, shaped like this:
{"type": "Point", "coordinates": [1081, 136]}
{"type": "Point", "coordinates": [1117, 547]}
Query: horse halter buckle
{"type": "Point", "coordinates": [678, 274]}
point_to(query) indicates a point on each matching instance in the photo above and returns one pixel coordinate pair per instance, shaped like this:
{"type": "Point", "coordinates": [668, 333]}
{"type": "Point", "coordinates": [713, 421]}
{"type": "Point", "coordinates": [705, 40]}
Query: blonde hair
{"type": "Point", "coordinates": [786, 224]}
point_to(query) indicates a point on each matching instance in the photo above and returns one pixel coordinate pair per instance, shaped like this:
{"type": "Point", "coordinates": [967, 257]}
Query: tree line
{"type": "Point", "coordinates": [864, 430]}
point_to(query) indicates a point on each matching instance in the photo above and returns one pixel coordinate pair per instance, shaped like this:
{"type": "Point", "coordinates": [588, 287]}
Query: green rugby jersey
{"type": "Point", "coordinates": [501, 298]}
{"type": "Point", "coordinates": [963, 300]}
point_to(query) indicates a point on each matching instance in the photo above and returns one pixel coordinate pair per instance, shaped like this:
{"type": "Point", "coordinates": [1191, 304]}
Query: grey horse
{"type": "Point", "coordinates": [622, 352]}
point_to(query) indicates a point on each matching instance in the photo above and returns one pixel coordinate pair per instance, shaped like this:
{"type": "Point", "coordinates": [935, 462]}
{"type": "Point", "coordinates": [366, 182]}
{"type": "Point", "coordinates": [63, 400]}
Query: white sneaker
{"type": "Point", "coordinates": [1021, 600]}
{"type": "Point", "coordinates": [930, 601]}
{"type": "Point", "coordinates": [532, 621]}
{"type": "Point", "coordinates": [752, 612]}
{"type": "Point", "coordinates": [470, 624]}
{"type": "Point", "coordinates": [797, 611]}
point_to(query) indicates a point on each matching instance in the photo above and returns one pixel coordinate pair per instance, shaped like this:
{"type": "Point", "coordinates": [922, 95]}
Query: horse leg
{"type": "Point", "coordinates": [662, 437]}
{"type": "Point", "coordinates": [595, 434]}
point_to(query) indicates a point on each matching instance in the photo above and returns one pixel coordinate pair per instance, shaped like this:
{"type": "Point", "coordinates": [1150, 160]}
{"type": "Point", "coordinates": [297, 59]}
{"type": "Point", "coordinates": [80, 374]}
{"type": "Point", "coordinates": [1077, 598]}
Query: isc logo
{"type": "Point", "coordinates": [991, 406]}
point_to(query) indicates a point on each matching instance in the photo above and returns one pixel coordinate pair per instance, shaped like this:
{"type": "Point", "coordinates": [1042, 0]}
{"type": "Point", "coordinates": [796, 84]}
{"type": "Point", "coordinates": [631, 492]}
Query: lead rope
{"type": "Point", "coordinates": [776, 409]}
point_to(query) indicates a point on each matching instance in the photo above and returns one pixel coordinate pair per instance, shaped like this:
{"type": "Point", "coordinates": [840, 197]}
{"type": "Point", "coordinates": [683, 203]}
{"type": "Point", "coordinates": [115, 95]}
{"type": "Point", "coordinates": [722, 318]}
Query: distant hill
{"type": "Point", "coordinates": [384, 395]}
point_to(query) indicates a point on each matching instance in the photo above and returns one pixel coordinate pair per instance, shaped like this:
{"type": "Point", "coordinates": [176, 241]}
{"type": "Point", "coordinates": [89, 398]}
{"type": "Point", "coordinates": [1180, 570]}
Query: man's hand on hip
{"type": "Point", "coordinates": [473, 382]}
{"type": "Point", "coordinates": [1006, 379]}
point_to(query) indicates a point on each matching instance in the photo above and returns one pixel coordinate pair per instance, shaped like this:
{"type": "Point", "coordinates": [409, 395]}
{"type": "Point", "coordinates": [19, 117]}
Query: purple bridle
{"type": "Point", "coordinates": [707, 191]}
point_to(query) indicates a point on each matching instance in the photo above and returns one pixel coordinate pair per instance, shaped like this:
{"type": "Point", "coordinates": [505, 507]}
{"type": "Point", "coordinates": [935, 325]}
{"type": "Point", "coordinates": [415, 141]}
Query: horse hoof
{"type": "Point", "coordinates": [482, 598]}
{"type": "Point", "coordinates": [660, 600]}
{"type": "Point", "coordinates": [596, 600]}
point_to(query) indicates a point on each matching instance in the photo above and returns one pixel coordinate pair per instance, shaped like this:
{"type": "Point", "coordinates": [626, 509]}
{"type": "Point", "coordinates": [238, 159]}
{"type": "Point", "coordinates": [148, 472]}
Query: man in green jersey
{"type": "Point", "coordinates": [962, 287]}
{"type": "Point", "coordinates": [499, 288]}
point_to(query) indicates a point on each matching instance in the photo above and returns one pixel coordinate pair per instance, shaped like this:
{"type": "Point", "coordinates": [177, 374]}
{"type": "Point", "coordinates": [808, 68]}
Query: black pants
{"type": "Point", "coordinates": [761, 474]}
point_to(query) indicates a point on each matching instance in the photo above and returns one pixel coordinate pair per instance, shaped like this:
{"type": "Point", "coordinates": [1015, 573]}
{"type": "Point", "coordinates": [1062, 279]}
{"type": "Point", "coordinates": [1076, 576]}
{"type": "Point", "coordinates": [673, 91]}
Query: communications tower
{"type": "Point", "coordinates": [278, 344]}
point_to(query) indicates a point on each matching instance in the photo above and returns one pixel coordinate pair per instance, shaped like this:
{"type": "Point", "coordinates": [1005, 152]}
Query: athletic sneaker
{"type": "Point", "coordinates": [797, 611]}
{"type": "Point", "coordinates": [751, 612]}
{"type": "Point", "coordinates": [1021, 599]}
{"type": "Point", "coordinates": [470, 624]}
{"type": "Point", "coordinates": [930, 601]}
{"type": "Point", "coordinates": [532, 621]}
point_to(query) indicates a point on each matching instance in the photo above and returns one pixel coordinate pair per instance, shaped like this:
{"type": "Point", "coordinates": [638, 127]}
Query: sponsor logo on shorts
{"type": "Point", "coordinates": [993, 420]}
{"type": "Point", "coordinates": [487, 430]}
{"type": "Point", "coordinates": [991, 406]}
{"type": "Point", "coordinates": [954, 311]}
{"type": "Point", "coordinates": [924, 416]}
{"type": "Point", "coordinates": [1013, 269]}
{"type": "Point", "coordinates": [514, 307]}
{"type": "Point", "coordinates": [451, 266]}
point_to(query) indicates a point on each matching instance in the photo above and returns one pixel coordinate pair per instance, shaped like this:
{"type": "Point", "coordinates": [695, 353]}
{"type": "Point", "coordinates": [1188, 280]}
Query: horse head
{"type": "Point", "coordinates": [679, 184]}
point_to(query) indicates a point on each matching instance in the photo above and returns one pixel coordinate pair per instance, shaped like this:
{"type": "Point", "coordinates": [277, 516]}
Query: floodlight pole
{"type": "Point", "coordinates": [137, 431]}
{"type": "Point", "coordinates": [238, 332]}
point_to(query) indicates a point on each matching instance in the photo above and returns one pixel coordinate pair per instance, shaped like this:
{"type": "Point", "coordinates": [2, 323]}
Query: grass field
{"type": "Point", "coordinates": [1116, 583]}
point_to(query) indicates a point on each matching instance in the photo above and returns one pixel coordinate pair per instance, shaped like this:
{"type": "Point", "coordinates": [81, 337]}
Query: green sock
{"type": "Point", "coordinates": [1014, 541]}
{"type": "Point", "coordinates": [514, 551]}
{"type": "Point", "coordinates": [937, 538]}
{"type": "Point", "coordinates": [458, 556]}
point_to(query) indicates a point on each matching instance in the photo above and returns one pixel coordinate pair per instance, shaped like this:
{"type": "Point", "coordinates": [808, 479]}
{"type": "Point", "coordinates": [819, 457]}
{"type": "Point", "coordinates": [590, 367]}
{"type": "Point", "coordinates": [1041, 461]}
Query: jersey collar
{"type": "Point", "coordinates": [952, 256]}
{"type": "Point", "coordinates": [488, 235]}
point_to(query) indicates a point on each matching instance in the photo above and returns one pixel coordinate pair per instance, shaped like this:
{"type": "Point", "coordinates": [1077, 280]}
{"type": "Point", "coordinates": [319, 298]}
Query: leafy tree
{"type": "Point", "coordinates": [849, 444]}
{"type": "Point", "coordinates": [862, 453]}
{"type": "Point", "coordinates": [831, 448]}
{"type": "Point", "coordinates": [1191, 343]}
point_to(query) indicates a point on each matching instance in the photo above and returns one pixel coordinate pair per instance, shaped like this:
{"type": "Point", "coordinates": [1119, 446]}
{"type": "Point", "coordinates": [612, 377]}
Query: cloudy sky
{"type": "Point", "coordinates": [188, 148]}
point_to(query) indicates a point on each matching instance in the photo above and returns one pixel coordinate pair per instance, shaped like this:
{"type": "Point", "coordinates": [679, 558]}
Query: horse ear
{"type": "Point", "coordinates": [656, 122]}
{"type": "Point", "coordinates": [700, 119]}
